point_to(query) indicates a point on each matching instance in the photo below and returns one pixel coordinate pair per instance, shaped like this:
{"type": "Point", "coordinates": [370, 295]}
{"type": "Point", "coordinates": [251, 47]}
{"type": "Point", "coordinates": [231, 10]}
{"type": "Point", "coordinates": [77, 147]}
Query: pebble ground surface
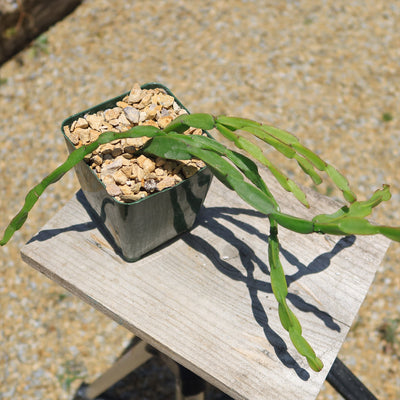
{"type": "Point", "coordinates": [329, 72]}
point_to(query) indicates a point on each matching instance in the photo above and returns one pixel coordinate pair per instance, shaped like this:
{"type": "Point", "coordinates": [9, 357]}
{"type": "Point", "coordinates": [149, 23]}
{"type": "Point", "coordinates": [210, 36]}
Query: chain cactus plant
{"type": "Point", "coordinates": [239, 172]}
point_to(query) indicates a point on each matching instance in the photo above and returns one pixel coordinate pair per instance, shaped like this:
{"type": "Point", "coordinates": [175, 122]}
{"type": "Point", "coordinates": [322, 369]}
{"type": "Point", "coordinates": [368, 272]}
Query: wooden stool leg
{"type": "Point", "coordinates": [347, 384]}
{"type": "Point", "coordinates": [188, 386]}
{"type": "Point", "coordinates": [137, 355]}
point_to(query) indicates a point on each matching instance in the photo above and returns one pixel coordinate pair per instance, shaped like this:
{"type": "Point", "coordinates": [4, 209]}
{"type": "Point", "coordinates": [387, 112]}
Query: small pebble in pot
{"type": "Point", "coordinates": [150, 185]}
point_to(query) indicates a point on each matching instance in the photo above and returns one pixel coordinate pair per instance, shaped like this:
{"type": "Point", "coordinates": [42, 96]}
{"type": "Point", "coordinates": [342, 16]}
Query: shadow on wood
{"type": "Point", "coordinates": [215, 219]}
{"type": "Point", "coordinates": [205, 300]}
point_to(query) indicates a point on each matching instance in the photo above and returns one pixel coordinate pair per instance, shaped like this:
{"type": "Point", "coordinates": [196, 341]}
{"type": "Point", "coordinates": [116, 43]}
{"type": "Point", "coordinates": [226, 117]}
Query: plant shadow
{"type": "Point", "coordinates": [214, 219]}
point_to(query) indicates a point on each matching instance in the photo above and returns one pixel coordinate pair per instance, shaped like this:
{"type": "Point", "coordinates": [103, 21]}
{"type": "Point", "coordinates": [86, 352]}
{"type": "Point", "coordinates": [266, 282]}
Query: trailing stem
{"type": "Point", "coordinates": [279, 287]}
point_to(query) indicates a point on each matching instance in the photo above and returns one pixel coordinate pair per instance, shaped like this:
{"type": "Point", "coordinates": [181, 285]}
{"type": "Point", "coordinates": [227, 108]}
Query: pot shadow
{"type": "Point", "coordinates": [212, 218]}
{"type": "Point", "coordinates": [96, 222]}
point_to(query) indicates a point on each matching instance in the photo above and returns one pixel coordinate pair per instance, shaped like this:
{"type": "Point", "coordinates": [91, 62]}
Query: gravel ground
{"type": "Point", "coordinates": [329, 72]}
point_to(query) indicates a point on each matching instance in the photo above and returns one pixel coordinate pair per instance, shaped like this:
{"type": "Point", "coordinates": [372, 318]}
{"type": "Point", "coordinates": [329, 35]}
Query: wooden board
{"type": "Point", "coordinates": [205, 299]}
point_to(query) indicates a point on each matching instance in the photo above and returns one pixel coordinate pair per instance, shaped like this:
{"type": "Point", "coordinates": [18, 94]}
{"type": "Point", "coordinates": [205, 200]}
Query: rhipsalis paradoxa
{"type": "Point", "coordinates": [238, 171]}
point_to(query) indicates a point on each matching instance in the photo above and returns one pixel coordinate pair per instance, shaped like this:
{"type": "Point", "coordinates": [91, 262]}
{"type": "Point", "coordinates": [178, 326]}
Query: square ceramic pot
{"type": "Point", "coordinates": [135, 229]}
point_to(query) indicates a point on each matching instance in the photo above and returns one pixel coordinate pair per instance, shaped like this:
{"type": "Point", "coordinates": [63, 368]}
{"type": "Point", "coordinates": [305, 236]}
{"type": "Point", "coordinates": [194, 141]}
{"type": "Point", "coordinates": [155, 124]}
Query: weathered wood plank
{"type": "Point", "coordinates": [23, 20]}
{"type": "Point", "coordinates": [205, 299]}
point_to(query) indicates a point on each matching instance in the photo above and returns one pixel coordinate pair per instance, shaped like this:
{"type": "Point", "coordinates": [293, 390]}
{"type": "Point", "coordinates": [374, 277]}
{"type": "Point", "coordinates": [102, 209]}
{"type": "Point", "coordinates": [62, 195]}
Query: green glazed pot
{"type": "Point", "coordinates": [135, 229]}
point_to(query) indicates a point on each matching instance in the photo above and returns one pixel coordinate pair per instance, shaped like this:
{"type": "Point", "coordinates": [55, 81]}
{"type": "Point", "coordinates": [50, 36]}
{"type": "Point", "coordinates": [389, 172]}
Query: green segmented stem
{"type": "Point", "coordinates": [284, 148]}
{"type": "Point", "coordinates": [338, 179]}
{"type": "Point", "coordinates": [279, 287]}
{"type": "Point", "coordinates": [256, 152]}
{"type": "Point", "coordinates": [240, 173]}
{"type": "Point", "coordinates": [175, 145]}
{"type": "Point", "coordinates": [288, 146]}
{"type": "Point", "coordinates": [243, 163]}
{"type": "Point", "coordinates": [308, 168]}
{"type": "Point", "coordinates": [185, 121]}
{"type": "Point", "coordinates": [74, 158]}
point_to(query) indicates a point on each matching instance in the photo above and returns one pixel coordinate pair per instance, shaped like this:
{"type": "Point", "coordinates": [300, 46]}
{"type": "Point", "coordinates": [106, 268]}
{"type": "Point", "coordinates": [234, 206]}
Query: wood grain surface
{"type": "Point", "coordinates": [205, 299]}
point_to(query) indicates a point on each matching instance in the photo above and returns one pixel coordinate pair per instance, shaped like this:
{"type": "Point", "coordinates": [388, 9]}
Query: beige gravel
{"type": "Point", "coordinates": [327, 71]}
